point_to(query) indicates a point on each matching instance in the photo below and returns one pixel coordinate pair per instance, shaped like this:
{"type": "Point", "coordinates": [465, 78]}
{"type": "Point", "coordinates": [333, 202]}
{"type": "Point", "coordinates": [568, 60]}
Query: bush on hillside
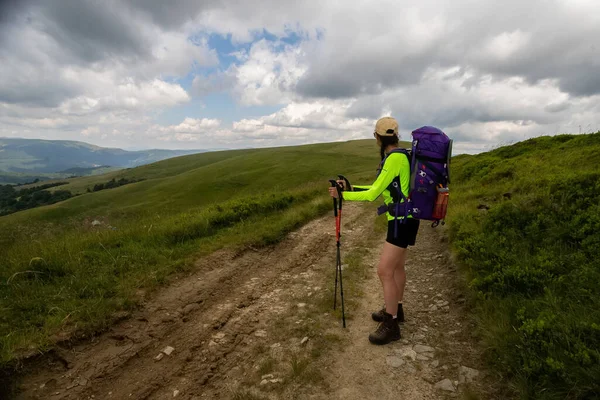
{"type": "Point", "coordinates": [12, 200]}
{"type": "Point", "coordinates": [111, 184]}
{"type": "Point", "coordinates": [535, 269]}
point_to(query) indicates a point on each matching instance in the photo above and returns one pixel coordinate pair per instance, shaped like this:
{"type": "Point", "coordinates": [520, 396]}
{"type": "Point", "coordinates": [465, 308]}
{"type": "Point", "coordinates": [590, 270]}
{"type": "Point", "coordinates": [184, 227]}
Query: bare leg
{"type": "Point", "coordinates": [387, 266]}
{"type": "Point", "coordinates": [400, 274]}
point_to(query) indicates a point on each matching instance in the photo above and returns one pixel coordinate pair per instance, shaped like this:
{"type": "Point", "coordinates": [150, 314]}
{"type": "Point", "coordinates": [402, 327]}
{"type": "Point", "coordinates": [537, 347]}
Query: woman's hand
{"type": "Point", "coordinates": [342, 183]}
{"type": "Point", "coordinates": [333, 192]}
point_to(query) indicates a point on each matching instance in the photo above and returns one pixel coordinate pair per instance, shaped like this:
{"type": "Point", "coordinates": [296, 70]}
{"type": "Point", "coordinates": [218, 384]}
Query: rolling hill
{"type": "Point", "coordinates": [525, 221]}
{"type": "Point", "coordinates": [98, 249]}
{"type": "Point", "coordinates": [23, 159]}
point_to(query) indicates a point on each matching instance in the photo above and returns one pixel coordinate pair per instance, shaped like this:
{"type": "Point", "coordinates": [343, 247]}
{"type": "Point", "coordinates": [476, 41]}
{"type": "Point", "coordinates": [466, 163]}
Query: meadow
{"type": "Point", "coordinates": [70, 269]}
{"type": "Point", "coordinates": [525, 222]}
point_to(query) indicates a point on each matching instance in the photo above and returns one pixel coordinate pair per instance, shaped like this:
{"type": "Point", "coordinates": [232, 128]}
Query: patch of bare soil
{"type": "Point", "coordinates": [438, 356]}
{"type": "Point", "coordinates": [258, 325]}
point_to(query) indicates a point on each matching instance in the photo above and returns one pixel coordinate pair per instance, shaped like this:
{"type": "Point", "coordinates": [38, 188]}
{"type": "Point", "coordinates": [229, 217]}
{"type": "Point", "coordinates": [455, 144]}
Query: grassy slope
{"type": "Point", "coordinates": [186, 207]}
{"type": "Point", "coordinates": [533, 260]}
{"type": "Point", "coordinates": [50, 156]}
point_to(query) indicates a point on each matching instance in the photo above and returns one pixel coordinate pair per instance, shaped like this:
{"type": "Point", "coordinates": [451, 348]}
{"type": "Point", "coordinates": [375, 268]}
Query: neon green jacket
{"type": "Point", "coordinates": [396, 164]}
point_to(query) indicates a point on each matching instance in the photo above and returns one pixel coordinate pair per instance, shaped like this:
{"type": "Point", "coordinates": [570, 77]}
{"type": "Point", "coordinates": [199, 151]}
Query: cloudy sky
{"type": "Point", "coordinates": [218, 73]}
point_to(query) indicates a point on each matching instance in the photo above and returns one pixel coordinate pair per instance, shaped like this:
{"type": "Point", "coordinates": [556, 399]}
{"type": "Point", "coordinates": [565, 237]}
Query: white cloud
{"type": "Point", "coordinates": [479, 70]}
{"type": "Point", "coordinates": [191, 126]}
{"type": "Point", "coordinates": [268, 74]}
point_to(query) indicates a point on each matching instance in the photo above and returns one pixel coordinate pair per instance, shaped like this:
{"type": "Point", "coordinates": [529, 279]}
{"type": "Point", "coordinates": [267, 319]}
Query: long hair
{"type": "Point", "coordinates": [385, 142]}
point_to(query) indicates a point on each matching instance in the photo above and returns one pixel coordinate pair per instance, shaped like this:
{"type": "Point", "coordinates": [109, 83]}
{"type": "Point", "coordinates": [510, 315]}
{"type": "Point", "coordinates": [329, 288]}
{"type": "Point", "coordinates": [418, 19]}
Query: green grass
{"type": "Point", "coordinates": [62, 277]}
{"type": "Point", "coordinates": [532, 260]}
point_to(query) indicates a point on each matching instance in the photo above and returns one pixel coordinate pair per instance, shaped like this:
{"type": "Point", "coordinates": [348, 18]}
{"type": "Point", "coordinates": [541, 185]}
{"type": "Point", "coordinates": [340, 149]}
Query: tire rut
{"type": "Point", "coordinates": [214, 318]}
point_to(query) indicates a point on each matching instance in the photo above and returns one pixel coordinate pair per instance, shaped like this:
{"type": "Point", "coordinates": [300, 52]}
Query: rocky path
{"type": "Point", "coordinates": [437, 356]}
{"type": "Point", "coordinates": [259, 325]}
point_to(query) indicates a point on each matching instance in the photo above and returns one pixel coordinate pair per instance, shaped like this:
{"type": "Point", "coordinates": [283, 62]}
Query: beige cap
{"type": "Point", "coordinates": [386, 126]}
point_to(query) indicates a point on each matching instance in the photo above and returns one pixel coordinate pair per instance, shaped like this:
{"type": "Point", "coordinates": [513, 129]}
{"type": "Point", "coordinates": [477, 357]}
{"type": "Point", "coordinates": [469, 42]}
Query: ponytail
{"type": "Point", "coordinates": [385, 142]}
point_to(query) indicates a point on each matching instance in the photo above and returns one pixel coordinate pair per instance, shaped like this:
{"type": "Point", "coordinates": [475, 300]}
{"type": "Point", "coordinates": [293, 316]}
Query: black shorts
{"type": "Point", "coordinates": [407, 233]}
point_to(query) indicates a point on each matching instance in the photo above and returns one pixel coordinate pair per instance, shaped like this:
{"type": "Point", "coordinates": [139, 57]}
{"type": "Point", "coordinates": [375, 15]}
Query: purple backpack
{"type": "Point", "coordinates": [429, 170]}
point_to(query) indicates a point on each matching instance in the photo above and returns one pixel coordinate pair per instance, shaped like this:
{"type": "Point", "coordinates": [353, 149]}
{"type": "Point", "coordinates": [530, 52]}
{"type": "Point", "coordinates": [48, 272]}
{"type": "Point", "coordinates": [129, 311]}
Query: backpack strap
{"type": "Point", "coordinates": [395, 187]}
{"type": "Point", "coordinates": [397, 208]}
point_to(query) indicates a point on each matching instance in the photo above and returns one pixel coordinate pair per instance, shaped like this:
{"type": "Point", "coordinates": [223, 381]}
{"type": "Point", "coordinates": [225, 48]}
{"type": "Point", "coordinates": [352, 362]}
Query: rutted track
{"type": "Point", "coordinates": [213, 318]}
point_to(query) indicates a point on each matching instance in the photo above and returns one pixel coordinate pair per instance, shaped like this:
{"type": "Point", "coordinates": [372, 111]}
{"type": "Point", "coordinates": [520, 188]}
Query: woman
{"type": "Point", "coordinates": [391, 265]}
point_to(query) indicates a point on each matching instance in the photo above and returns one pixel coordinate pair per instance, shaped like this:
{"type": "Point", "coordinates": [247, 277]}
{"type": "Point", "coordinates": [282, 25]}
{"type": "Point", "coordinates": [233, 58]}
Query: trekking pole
{"type": "Point", "coordinates": [338, 265]}
{"type": "Point", "coordinates": [339, 257]}
{"type": "Point", "coordinates": [337, 238]}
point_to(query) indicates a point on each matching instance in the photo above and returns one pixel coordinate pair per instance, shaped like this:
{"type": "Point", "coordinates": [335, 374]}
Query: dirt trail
{"type": "Point", "coordinates": [238, 322]}
{"type": "Point", "coordinates": [437, 341]}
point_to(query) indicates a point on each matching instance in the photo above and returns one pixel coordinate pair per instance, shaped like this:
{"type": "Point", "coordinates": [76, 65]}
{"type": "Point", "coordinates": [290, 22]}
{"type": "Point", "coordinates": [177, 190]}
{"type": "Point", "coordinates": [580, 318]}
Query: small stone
{"type": "Point", "coordinates": [467, 375]}
{"type": "Point", "coordinates": [212, 344]}
{"type": "Point", "coordinates": [435, 363]}
{"type": "Point", "coordinates": [445, 367]}
{"type": "Point", "coordinates": [189, 308]}
{"type": "Point", "coordinates": [263, 382]}
{"type": "Point", "coordinates": [433, 308]}
{"type": "Point", "coordinates": [175, 393]}
{"type": "Point", "coordinates": [445, 303]}
{"type": "Point", "coordinates": [414, 290]}
{"type": "Point", "coordinates": [438, 295]}
{"type": "Point", "coordinates": [446, 385]}
{"type": "Point", "coordinates": [455, 383]}
{"type": "Point", "coordinates": [423, 349]}
{"type": "Point", "coordinates": [219, 335]}
{"type": "Point", "coordinates": [276, 380]}
{"type": "Point", "coordinates": [304, 340]}
{"type": "Point", "coordinates": [422, 357]}
{"type": "Point", "coordinates": [260, 333]}
{"type": "Point", "coordinates": [301, 305]}
{"type": "Point", "coordinates": [168, 350]}
{"type": "Point", "coordinates": [394, 361]}
{"type": "Point", "coordinates": [96, 222]}
{"type": "Point", "coordinates": [268, 376]}
{"type": "Point", "coordinates": [159, 357]}
{"type": "Point", "coordinates": [431, 288]}
{"type": "Point", "coordinates": [430, 355]}
{"type": "Point", "coordinates": [407, 352]}
{"type": "Point", "coordinates": [275, 345]}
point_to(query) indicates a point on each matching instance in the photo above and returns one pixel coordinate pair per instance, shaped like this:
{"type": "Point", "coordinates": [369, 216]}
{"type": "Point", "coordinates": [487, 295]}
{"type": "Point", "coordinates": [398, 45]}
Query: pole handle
{"type": "Point", "coordinates": [335, 203]}
{"type": "Point", "coordinates": [348, 185]}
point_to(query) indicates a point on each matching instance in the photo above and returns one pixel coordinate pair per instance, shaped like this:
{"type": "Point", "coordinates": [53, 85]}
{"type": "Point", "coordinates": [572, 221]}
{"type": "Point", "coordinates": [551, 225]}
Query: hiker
{"type": "Point", "coordinates": [395, 168]}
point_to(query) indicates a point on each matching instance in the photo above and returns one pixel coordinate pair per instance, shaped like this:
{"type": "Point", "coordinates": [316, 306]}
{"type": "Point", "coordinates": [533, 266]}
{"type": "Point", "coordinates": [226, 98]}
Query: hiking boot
{"type": "Point", "coordinates": [387, 331]}
{"type": "Point", "coordinates": [378, 316]}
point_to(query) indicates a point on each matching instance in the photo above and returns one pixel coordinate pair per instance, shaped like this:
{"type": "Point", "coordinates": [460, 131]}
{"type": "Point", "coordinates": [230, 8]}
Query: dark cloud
{"type": "Point", "coordinates": [91, 30]}
{"type": "Point", "coordinates": [45, 94]}
{"type": "Point", "coordinates": [337, 76]}
{"type": "Point", "coordinates": [9, 9]}
{"type": "Point", "coordinates": [171, 14]}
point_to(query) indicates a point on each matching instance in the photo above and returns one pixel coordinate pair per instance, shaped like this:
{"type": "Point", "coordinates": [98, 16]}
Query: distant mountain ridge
{"type": "Point", "coordinates": [37, 156]}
